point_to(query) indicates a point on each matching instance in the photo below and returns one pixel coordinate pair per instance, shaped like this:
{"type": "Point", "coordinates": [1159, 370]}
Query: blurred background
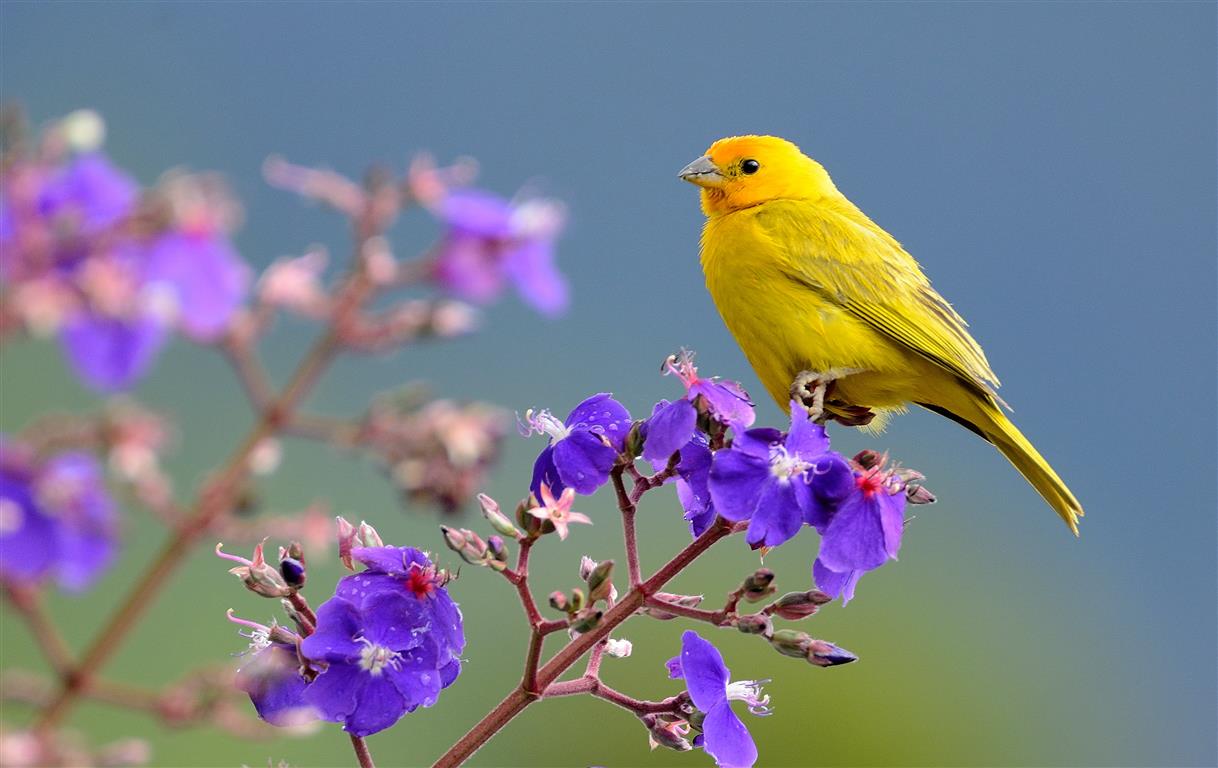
{"type": "Point", "coordinates": [1052, 166]}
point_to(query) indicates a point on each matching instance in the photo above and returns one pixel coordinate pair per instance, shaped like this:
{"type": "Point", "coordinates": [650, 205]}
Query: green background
{"type": "Point", "coordinates": [1052, 167]}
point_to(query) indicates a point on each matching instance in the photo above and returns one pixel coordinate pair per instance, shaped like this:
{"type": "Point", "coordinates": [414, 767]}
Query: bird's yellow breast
{"type": "Point", "coordinates": [783, 327]}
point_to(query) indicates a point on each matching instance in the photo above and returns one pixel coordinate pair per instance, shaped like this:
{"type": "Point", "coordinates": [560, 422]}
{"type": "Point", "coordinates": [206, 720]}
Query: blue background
{"type": "Point", "coordinates": [1051, 165]}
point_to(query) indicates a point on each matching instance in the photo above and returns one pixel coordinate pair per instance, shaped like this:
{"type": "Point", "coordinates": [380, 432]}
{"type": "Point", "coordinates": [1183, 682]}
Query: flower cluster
{"type": "Point", "coordinates": [56, 518]}
{"type": "Point", "coordinates": [385, 644]}
{"type": "Point", "coordinates": [107, 268]}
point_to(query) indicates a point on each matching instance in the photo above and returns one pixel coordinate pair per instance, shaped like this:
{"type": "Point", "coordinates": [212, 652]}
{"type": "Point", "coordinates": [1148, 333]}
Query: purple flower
{"type": "Point", "coordinates": [382, 661]}
{"type": "Point", "coordinates": [271, 675]}
{"type": "Point", "coordinates": [90, 191]}
{"type": "Point", "coordinates": [672, 425]}
{"type": "Point", "coordinates": [708, 681]}
{"type": "Point", "coordinates": [408, 571]}
{"type": "Point", "coordinates": [205, 277]}
{"type": "Point", "coordinates": [55, 518]}
{"type": "Point", "coordinates": [490, 241]}
{"type": "Point", "coordinates": [863, 533]}
{"type": "Point", "coordinates": [109, 353]}
{"type": "Point", "coordinates": [583, 449]}
{"type": "Point", "coordinates": [778, 482]}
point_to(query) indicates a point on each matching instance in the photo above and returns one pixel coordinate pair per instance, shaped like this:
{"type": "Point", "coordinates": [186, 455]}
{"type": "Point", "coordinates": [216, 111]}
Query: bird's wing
{"type": "Point", "coordinates": [848, 259]}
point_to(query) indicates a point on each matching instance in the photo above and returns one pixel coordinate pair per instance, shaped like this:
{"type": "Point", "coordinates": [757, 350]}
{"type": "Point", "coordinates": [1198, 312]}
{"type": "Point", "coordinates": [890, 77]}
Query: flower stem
{"type": "Point", "coordinates": [515, 702]}
{"type": "Point", "coordinates": [214, 501]}
{"type": "Point", "coordinates": [718, 618]}
{"type": "Point", "coordinates": [28, 605]}
{"type": "Point", "coordinates": [361, 752]}
{"type": "Point", "coordinates": [627, 504]}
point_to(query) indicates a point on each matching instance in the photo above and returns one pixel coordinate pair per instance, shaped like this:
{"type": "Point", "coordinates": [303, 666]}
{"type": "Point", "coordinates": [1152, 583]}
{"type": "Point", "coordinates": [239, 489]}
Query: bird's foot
{"type": "Point", "coordinates": [810, 388]}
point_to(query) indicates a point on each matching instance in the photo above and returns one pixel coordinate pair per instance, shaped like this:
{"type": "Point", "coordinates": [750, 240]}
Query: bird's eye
{"type": "Point", "coordinates": [749, 167]}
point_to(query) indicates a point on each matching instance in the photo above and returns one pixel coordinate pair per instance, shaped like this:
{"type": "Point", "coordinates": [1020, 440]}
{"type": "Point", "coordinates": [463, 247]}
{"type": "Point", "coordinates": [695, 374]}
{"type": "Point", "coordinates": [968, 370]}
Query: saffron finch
{"type": "Point", "coordinates": [831, 310]}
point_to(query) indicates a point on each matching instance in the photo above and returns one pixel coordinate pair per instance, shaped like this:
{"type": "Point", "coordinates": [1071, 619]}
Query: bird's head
{"type": "Point", "coordinates": [743, 171]}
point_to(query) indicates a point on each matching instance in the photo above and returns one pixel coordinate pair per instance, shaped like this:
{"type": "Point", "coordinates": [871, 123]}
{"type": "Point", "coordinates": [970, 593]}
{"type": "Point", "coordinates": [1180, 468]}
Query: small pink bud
{"type": "Point", "coordinates": [346, 541]}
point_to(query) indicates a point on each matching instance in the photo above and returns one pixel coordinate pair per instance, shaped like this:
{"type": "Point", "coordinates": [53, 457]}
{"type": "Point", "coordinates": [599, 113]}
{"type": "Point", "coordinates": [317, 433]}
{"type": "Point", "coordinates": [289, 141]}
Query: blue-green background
{"type": "Point", "coordinates": [1051, 165]}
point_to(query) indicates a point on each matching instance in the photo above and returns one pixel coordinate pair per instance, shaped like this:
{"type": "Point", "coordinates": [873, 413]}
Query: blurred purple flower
{"type": "Point", "coordinates": [206, 278]}
{"type": "Point", "coordinates": [55, 518]}
{"type": "Point", "coordinates": [583, 449]}
{"type": "Point", "coordinates": [490, 241]}
{"type": "Point", "coordinates": [778, 482]}
{"type": "Point", "coordinates": [382, 661]}
{"type": "Point", "coordinates": [708, 681]}
{"type": "Point", "coordinates": [111, 354]}
{"type": "Point", "coordinates": [89, 192]}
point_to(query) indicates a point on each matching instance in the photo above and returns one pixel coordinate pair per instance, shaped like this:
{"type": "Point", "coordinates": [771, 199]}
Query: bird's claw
{"type": "Point", "coordinates": [813, 399]}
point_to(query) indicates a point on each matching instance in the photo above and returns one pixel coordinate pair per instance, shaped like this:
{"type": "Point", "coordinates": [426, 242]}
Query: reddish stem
{"type": "Point", "coordinates": [361, 752]}
{"type": "Point", "coordinates": [627, 504]}
{"type": "Point", "coordinates": [28, 605]}
{"type": "Point", "coordinates": [718, 618]}
{"type": "Point", "coordinates": [518, 699]}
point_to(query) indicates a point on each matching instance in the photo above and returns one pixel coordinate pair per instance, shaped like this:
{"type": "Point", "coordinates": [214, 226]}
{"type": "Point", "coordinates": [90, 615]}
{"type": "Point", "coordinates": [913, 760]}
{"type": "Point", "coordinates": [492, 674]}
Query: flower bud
{"type": "Point", "coordinates": [618, 649]}
{"type": "Point", "coordinates": [346, 541]}
{"type": "Point", "coordinates": [498, 520]}
{"type": "Point", "coordinates": [558, 601]}
{"type": "Point", "coordinates": [585, 621]}
{"type": "Point", "coordinates": [686, 601]}
{"type": "Point", "coordinates": [527, 522]}
{"type": "Point", "coordinates": [586, 566]}
{"type": "Point", "coordinates": [498, 553]}
{"type": "Point", "coordinates": [258, 575]}
{"type": "Point", "coordinates": [868, 458]}
{"type": "Point", "coordinates": [755, 624]}
{"type": "Point", "coordinates": [467, 544]}
{"type": "Point", "coordinates": [577, 601]}
{"type": "Point", "coordinates": [758, 586]}
{"type": "Point", "coordinates": [794, 606]}
{"type": "Point", "coordinates": [790, 642]}
{"type": "Point", "coordinates": [600, 584]}
{"type": "Point", "coordinates": [919, 494]}
{"type": "Point", "coordinates": [666, 732]}
{"type": "Point", "coordinates": [826, 654]}
{"type": "Point", "coordinates": [368, 537]}
{"type": "Point", "coordinates": [293, 572]}
{"type": "Point", "coordinates": [634, 440]}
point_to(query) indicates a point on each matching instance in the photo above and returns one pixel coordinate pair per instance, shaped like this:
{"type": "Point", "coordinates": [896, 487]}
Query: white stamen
{"type": "Point", "coordinates": [785, 465]}
{"type": "Point", "coordinates": [544, 423]}
{"type": "Point", "coordinates": [749, 691]}
{"type": "Point", "coordinates": [374, 658]}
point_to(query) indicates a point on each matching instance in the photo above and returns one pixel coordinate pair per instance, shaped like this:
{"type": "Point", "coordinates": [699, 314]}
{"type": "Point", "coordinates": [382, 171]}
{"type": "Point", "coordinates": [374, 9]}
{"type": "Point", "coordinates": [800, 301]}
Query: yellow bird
{"type": "Point", "coordinates": [830, 309]}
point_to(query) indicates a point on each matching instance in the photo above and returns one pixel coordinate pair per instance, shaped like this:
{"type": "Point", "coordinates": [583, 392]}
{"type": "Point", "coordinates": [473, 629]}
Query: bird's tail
{"type": "Point", "coordinates": [990, 422]}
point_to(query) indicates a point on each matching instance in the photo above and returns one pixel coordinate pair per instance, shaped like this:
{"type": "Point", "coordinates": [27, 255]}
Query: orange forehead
{"type": "Point", "coordinates": [726, 150]}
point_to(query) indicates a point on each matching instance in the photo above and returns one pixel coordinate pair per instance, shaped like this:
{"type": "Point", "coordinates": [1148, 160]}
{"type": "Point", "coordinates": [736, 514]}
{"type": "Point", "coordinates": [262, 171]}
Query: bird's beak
{"type": "Point", "coordinates": [702, 172]}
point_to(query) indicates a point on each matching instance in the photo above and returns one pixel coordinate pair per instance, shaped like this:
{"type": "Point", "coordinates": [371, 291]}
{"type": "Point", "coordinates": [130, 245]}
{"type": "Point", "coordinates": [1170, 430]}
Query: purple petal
{"type": "Point", "coordinates": [27, 544]}
{"type": "Point", "coordinates": [333, 693]}
{"type": "Point", "coordinates": [736, 482]}
{"type": "Point", "coordinates": [807, 439]}
{"type": "Point", "coordinates": [359, 588]}
{"type": "Point", "coordinates": [727, 740]}
{"type": "Point", "coordinates": [530, 267]}
{"type": "Point", "coordinates": [673, 666]}
{"type": "Point", "coordinates": [668, 430]}
{"type": "Point", "coordinates": [835, 584]}
{"type": "Point", "coordinates": [778, 517]}
{"type": "Point", "coordinates": [416, 676]}
{"type": "Point", "coordinates": [544, 471]}
{"type": "Point", "coordinates": [393, 620]}
{"type": "Point", "coordinates": [273, 682]}
{"type": "Point", "coordinates": [338, 624]}
{"type": "Point", "coordinates": [604, 415]}
{"type": "Point", "coordinates": [381, 559]}
{"type": "Point", "coordinates": [478, 213]}
{"type": "Point", "coordinates": [206, 277]}
{"type": "Point", "coordinates": [698, 510]}
{"type": "Point", "coordinates": [726, 400]}
{"type": "Point", "coordinates": [470, 268]}
{"type": "Point", "coordinates": [92, 187]}
{"type": "Point", "coordinates": [378, 705]}
{"type": "Point", "coordinates": [583, 461]}
{"type": "Point", "coordinates": [706, 676]}
{"type": "Point", "coordinates": [447, 625]}
{"type": "Point", "coordinates": [854, 538]}
{"type": "Point", "coordinates": [110, 354]}
{"type": "Point", "coordinates": [892, 518]}
{"type": "Point", "coordinates": [757, 442]}
{"type": "Point", "coordinates": [449, 672]}
{"type": "Point", "coordinates": [86, 534]}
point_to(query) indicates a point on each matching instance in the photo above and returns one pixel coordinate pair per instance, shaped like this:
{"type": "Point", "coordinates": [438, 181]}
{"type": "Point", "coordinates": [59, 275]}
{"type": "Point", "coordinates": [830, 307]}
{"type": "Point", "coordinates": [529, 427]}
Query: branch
{"type": "Point", "coordinates": [28, 605]}
{"type": "Point", "coordinates": [718, 618]}
{"type": "Point", "coordinates": [361, 752]}
{"type": "Point", "coordinates": [627, 503]}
